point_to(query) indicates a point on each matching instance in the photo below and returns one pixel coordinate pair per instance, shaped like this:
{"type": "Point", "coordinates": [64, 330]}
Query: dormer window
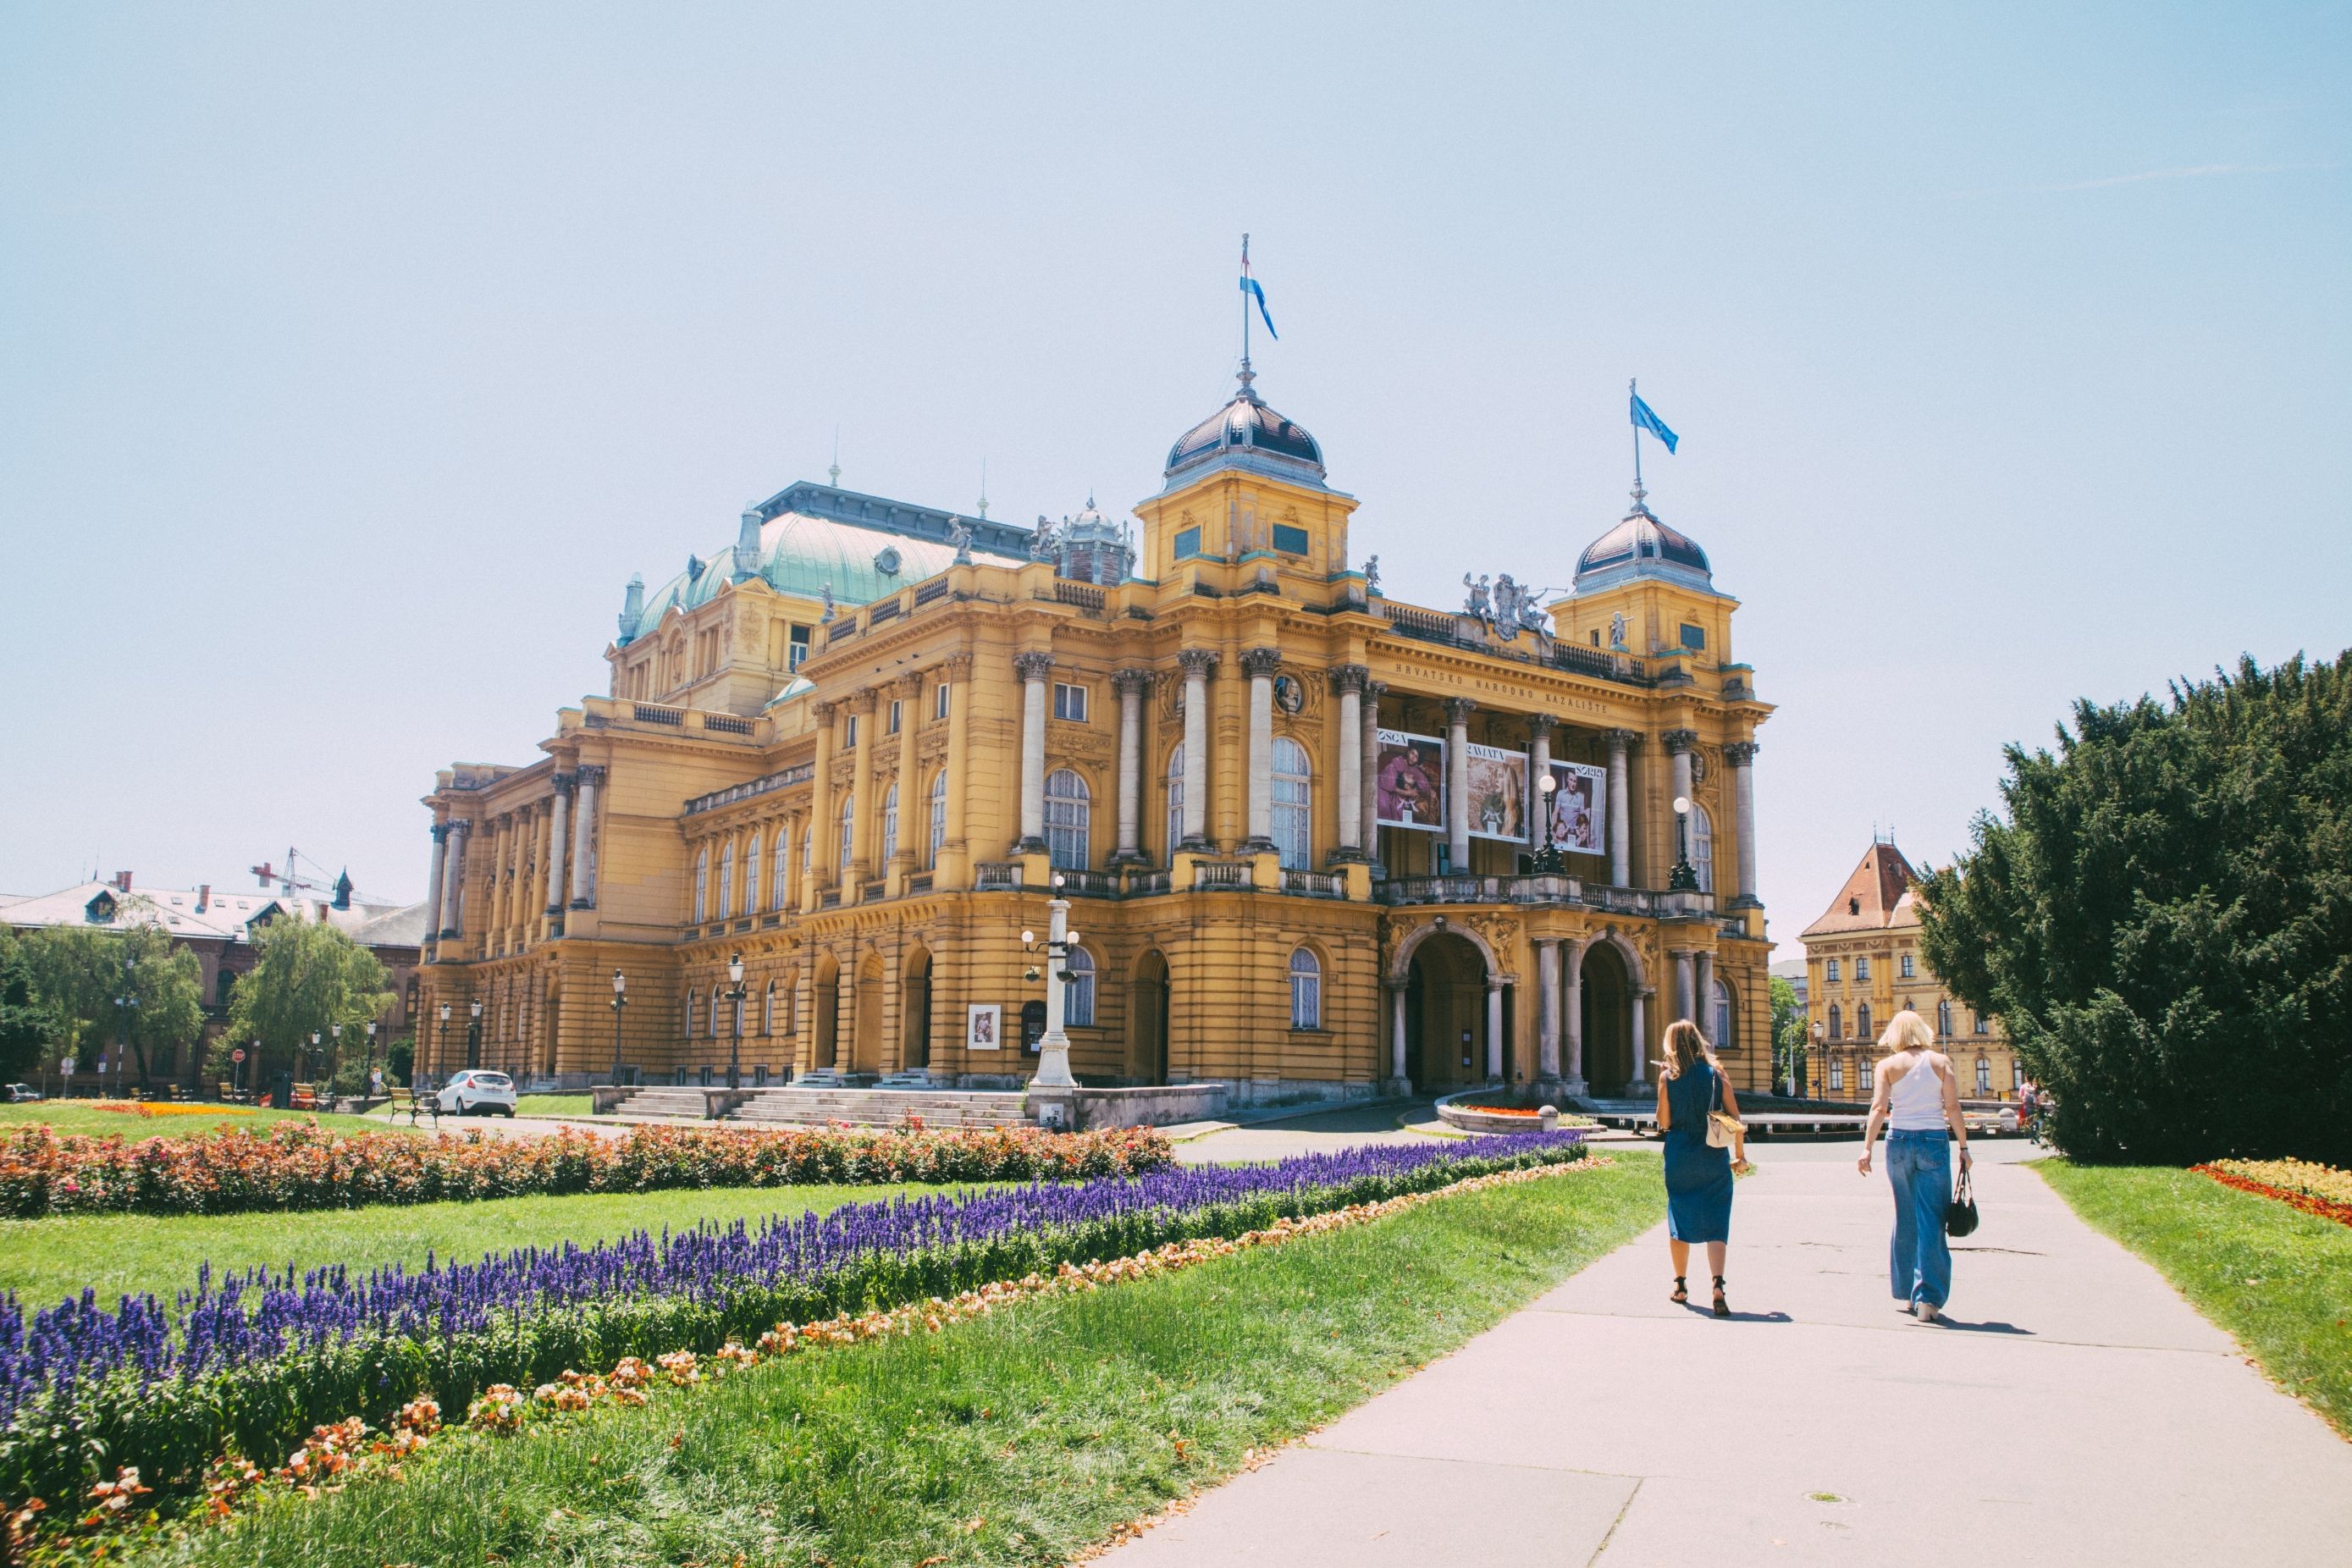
{"type": "Point", "coordinates": [100, 911]}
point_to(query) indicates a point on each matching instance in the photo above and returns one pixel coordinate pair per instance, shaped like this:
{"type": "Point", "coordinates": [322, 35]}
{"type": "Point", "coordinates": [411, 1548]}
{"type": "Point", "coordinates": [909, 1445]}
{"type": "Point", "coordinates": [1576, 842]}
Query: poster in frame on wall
{"type": "Point", "coordinates": [1409, 779]}
{"type": "Point", "coordinates": [1498, 793]}
{"type": "Point", "coordinates": [1580, 809]}
{"type": "Point", "coordinates": [984, 1027]}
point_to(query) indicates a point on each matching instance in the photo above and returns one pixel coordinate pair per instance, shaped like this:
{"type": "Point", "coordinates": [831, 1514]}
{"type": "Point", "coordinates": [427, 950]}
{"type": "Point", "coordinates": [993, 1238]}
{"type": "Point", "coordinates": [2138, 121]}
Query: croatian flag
{"type": "Point", "coordinates": [1250, 287]}
{"type": "Point", "coordinates": [1645, 419]}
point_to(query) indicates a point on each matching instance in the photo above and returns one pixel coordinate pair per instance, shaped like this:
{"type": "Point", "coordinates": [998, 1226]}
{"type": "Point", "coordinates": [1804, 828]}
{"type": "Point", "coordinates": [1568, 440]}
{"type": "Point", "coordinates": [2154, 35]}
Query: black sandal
{"type": "Point", "coordinates": [1722, 1307]}
{"type": "Point", "coordinates": [1681, 1298]}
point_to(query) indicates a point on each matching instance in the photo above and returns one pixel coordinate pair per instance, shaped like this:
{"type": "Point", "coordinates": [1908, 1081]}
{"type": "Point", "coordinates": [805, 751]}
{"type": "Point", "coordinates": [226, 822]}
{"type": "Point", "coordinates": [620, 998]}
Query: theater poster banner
{"type": "Point", "coordinates": [1411, 782]}
{"type": "Point", "coordinates": [1499, 793]}
{"type": "Point", "coordinates": [1579, 806]}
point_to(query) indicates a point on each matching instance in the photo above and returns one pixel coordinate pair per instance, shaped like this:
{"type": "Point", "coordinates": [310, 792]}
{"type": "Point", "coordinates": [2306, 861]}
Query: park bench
{"type": "Point", "coordinates": [423, 1102]}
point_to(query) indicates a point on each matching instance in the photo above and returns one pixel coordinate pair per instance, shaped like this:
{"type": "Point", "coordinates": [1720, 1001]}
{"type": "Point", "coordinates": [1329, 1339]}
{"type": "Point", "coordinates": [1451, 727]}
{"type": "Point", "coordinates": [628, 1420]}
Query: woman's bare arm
{"type": "Point", "coordinates": [1877, 1116]}
{"type": "Point", "coordinates": [1665, 1110]}
{"type": "Point", "coordinates": [1952, 1112]}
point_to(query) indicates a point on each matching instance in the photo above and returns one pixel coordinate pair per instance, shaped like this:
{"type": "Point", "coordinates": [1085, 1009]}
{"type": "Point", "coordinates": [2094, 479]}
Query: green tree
{"type": "Point", "coordinates": [103, 987]}
{"type": "Point", "coordinates": [306, 979]}
{"type": "Point", "coordinates": [164, 987]}
{"type": "Point", "coordinates": [27, 1023]}
{"type": "Point", "coordinates": [2164, 921]}
{"type": "Point", "coordinates": [1787, 1034]}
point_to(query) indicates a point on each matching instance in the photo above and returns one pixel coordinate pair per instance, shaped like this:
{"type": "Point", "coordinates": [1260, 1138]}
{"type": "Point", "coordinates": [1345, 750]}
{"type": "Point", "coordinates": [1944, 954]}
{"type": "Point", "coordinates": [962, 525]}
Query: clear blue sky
{"type": "Point", "coordinates": [351, 358]}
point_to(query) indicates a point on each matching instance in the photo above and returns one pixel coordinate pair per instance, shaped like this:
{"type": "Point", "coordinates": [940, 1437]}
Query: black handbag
{"type": "Point", "coordinates": [1960, 1214]}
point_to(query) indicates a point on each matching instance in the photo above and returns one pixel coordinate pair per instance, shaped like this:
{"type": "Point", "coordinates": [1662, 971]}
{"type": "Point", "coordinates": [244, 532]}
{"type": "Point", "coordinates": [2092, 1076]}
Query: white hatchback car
{"type": "Point", "coordinates": [472, 1091]}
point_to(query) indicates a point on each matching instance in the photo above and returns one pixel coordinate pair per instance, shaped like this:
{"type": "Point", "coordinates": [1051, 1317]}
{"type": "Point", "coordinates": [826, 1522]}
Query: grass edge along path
{"type": "Point", "coordinates": [2276, 1280]}
{"type": "Point", "coordinates": [1029, 1435]}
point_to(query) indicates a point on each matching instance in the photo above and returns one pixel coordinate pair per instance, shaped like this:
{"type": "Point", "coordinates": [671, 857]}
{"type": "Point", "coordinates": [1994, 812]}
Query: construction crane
{"type": "Point", "coordinates": [292, 880]}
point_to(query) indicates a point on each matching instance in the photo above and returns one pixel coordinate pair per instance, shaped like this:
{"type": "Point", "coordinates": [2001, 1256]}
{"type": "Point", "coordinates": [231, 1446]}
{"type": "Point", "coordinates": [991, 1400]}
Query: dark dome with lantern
{"type": "Point", "coordinates": [1641, 546]}
{"type": "Point", "coordinates": [1246, 431]}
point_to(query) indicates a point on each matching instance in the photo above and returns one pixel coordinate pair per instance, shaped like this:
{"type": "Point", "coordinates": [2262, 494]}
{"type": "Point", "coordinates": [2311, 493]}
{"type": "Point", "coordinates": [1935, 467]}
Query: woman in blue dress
{"type": "Point", "coordinates": [1699, 1178]}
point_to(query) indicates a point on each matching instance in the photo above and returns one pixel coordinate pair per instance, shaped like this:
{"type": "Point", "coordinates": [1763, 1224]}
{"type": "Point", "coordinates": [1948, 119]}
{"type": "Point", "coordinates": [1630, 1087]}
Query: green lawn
{"type": "Point", "coordinates": [2278, 1279]}
{"type": "Point", "coordinates": [1018, 1438]}
{"type": "Point", "coordinates": [45, 1260]}
{"type": "Point", "coordinates": [76, 1116]}
{"type": "Point", "coordinates": [554, 1105]}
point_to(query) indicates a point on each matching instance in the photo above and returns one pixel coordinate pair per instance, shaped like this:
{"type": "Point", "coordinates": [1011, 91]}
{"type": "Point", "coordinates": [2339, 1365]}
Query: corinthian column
{"type": "Point", "coordinates": [1679, 744]}
{"type": "Point", "coordinates": [559, 823]}
{"type": "Point", "coordinates": [1684, 985]}
{"type": "Point", "coordinates": [433, 889]}
{"type": "Point", "coordinates": [584, 829]}
{"type": "Point", "coordinates": [1641, 1040]}
{"type": "Point", "coordinates": [1130, 685]}
{"type": "Point", "coordinates": [1620, 810]}
{"type": "Point", "coordinates": [1261, 665]}
{"type": "Point", "coordinates": [1347, 739]}
{"type": "Point", "coordinates": [1196, 662]}
{"type": "Point", "coordinates": [1368, 811]}
{"type": "Point", "coordinates": [1741, 755]}
{"type": "Point", "coordinates": [453, 877]}
{"type": "Point", "coordinates": [1575, 1003]}
{"type": "Point", "coordinates": [1032, 669]}
{"type": "Point", "coordinates": [1457, 780]}
{"type": "Point", "coordinates": [1538, 769]}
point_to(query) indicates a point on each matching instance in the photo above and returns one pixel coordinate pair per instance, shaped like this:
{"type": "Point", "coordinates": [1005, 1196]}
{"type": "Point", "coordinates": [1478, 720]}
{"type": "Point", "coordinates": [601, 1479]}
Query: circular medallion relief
{"type": "Point", "coordinates": [1289, 695]}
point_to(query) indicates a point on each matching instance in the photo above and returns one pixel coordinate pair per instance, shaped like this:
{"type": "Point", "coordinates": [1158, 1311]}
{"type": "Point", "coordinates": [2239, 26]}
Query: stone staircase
{"type": "Point", "coordinates": [803, 1106]}
{"type": "Point", "coordinates": [677, 1104]}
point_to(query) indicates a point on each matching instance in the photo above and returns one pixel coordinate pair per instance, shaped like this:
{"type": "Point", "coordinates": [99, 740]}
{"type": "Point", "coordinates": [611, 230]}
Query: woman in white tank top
{"type": "Point", "coordinates": [1918, 1101]}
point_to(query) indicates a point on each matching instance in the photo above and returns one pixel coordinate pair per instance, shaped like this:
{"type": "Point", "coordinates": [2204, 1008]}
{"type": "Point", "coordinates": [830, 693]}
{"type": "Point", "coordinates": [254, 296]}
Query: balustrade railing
{"type": "Point", "coordinates": [1088, 884]}
{"type": "Point", "coordinates": [1220, 874]}
{"type": "Point", "coordinates": [1315, 884]}
{"type": "Point", "coordinates": [996, 876]}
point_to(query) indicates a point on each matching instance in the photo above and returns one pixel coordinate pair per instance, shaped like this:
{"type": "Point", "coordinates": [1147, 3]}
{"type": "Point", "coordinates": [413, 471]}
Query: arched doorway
{"type": "Point", "coordinates": [549, 1012]}
{"type": "Point", "coordinates": [915, 1005]}
{"type": "Point", "coordinates": [1608, 1018]}
{"type": "Point", "coordinates": [825, 1014]}
{"type": "Point", "coordinates": [1147, 1019]}
{"type": "Point", "coordinates": [1445, 1012]}
{"type": "Point", "coordinates": [866, 1043]}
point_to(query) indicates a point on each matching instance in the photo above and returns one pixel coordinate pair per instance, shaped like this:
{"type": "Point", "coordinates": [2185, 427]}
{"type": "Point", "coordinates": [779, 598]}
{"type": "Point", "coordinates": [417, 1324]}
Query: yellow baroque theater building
{"type": "Point", "coordinates": [1301, 825]}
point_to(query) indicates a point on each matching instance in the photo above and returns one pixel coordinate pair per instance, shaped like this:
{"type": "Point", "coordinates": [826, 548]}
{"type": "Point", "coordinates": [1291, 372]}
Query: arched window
{"type": "Point", "coordinates": [1719, 1018]}
{"type": "Point", "coordinates": [1944, 1019]}
{"type": "Point", "coordinates": [702, 885]}
{"type": "Point", "coordinates": [848, 815]}
{"type": "Point", "coordinates": [1175, 798]}
{"type": "Point", "coordinates": [689, 1013]}
{"type": "Point", "coordinates": [1862, 1020]}
{"type": "Point", "coordinates": [938, 814]}
{"type": "Point", "coordinates": [1701, 847]}
{"type": "Point", "coordinates": [1068, 813]}
{"type": "Point", "coordinates": [716, 998]}
{"type": "Point", "coordinates": [891, 823]}
{"type": "Point", "coordinates": [777, 890]}
{"type": "Point", "coordinates": [1863, 1068]}
{"type": "Point", "coordinates": [751, 877]}
{"type": "Point", "coordinates": [1837, 1022]}
{"type": "Point", "coordinates": [1305, 990]}
{"type": "Point", "coordinates": [1293, 813]}
{"type": "Point", "coordinates": [768, 1009]}
{"type": "Point", "coordinates": [727, 882]}
{"type": "Point", "coordinates": [1078, 991]}
{"type": "Point", "coordinates": [1984, 1075]}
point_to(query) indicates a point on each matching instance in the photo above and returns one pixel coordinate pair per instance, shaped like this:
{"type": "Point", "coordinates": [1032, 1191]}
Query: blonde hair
{"type": "Point", "coordinates": [1686, 1049]}
{"type": "Point", "coordinates": [1907, 1031]}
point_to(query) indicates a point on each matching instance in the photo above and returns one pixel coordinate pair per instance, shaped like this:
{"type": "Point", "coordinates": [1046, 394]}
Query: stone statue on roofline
{"type": "Point", "coordinates": [960, 535]}
{"type": "Point", "coordinates": [1371, 575]}
{"type": "Point", "coordinates": [824, 592]}
{"type": "Point", "coordinates": [1617, 632]}
{"type": "Point", "coordinates": [1477, 603]}
{"type": "Point", "coordinates": [1041, 543]}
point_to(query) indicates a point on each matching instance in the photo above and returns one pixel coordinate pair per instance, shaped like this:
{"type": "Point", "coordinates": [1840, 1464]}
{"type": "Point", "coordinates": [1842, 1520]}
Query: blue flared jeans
{"type": "Point", "coordinates": [1920, 1263]}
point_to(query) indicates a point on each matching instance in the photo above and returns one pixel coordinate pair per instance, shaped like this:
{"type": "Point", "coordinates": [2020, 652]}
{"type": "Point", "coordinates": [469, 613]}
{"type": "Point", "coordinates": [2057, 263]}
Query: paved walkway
{"type": "Point", "coordinates": [2075, 1411]}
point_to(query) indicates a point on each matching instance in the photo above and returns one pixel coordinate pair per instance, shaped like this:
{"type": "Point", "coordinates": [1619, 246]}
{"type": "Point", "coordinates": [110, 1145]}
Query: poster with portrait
{"type": "Point", "coordinates": [1580, 806]}
{"type": "Point", "coordinates": [1411, 782]}
{"type": "Point", "coordinates": [984, 1027]}
{"type": "Point", "coordinates": [1499, 793]}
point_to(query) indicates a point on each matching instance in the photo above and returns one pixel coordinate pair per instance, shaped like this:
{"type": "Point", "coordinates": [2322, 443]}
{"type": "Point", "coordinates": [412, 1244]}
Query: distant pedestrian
{"type": "Point", "coordinates": [1692, 1089]}
{"type": "Point", "coordinates": [1918, 1101]}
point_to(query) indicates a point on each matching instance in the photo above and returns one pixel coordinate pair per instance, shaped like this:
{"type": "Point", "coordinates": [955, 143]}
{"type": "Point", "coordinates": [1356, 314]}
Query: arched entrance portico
{"type": "Point", "coordinates": [825, 1021]}
{"type": "Point", "coordinates": [1147, 1019]}
{"type": "Point", "coordinates": [1446, 983]}
{"type": "Point", "coordinates": [866, 1043]}
{"type": "Point", "coordinates": [1613, 1015]}
{"type": "Point", "coordinates": [914, 1007]}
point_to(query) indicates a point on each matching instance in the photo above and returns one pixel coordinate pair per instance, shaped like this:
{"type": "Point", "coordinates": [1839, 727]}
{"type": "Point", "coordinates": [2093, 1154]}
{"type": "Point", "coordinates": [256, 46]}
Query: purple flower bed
{"type": "Point", "coordinates": [251, 1362]}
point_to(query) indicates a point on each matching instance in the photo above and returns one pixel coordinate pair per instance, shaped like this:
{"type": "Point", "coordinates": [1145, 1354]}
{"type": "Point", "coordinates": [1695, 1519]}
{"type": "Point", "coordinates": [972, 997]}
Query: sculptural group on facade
{"type": "Point", "coordinates": [1505, 605]}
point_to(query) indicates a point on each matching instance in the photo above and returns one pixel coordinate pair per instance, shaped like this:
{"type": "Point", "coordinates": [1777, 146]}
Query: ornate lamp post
{"type": "Point", "coordinates": [1054, 1050]}
{"type": "Point", "coordinates": [619, 1000]}
{"type": "Point", "coordinates": [1684, 878]}
{"type": "Point", "coordinates": [441, 1040]}
{"type": "Point", "coordinates": [1548, 862]}
{"type": "Point", "coordinates": [313, 1060]}
{"type": "Point", "coordinates": [334, 1056]}
{"type": "Point", "coordinates": [367, 1068]}
{"type": "Point", "coordinates": [735, 994]}
{"type": "Point", "coordinates": [474, 1034]}
{"type": "Point", "coordinates": [1820, 1055]}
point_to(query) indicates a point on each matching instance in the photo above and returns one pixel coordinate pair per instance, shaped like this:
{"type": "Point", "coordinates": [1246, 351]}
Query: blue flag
{"type": "Point", "coordinates": [1250, 287]}
{"type": "Point", "coordinates": [1644, 419]}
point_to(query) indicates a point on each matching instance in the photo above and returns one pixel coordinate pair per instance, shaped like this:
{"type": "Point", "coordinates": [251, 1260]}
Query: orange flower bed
{"type": "Point", "coordinates": [1504, 1111]}
{"type": "Point", "coordinates": [2309, 1202]}
{"type": "Point", "coordinates": [167, 1108]}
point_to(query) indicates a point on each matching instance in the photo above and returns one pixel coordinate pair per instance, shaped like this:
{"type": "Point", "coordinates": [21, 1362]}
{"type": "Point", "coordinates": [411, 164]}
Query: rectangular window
{"type": "Point", "coordinates": [1862, 1073]}
{"type": "Point", "coordinates": [1289, 540]}
{"type": "Point", "coordinates": [939, 702]}
{"type": "Point", "coordinates": [1188, 543]}
{"type": "Point", "coordinates": [1837, 1074]}
{"type": "Point", "coordinates": [1833, 971]}
{"type": "Point", "coordinates": [1070, 702]}
{"type": "Point", "coordinates": [849, 737]}
{"type": "Point", "coordinates": [1908, 972]}
{"type": "Point", "coordinates": [894, 718]}
{"type": "Point", "coordinates": [1861, 969]}
{"type": "Point", "coordinates": [1694, 638]}
{"type": "Point", "coordinates": [800, 648]}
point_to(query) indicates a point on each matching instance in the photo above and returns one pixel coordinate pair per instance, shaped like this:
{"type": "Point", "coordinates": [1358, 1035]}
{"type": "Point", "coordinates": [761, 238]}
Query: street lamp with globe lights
{"type": "Point", "coordinates": [1054, 1050]}
{"type": "Point", "coordinates": [1548, 862]}
{"type": "Point", "coordinates": [735, 1001]}
{"type": "Point", "coordinates": [1685, 877]}
{"type": "Point", "coordinates": [619, 1000]}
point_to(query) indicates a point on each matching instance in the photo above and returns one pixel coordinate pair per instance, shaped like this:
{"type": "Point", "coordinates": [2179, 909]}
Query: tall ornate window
{"type": "Point", "coordinates": [727, 882]}
{"type": "Point", "coordinates": [715, 999]}
{"type": "Point", "coordinates": [1837, 1022]}
{"type": "Point", "coordinates": [1305, 990]}
{"type": "Point", "coordinates": [1175, 798]}
{"type": "Point", "coordinates": [751, 877]}
{"type": "Point", "coordinates": [1944, 1019]}
{"type": "Point", "coordinates": [938, 814]}
{"type": "Point", "coordinates": [1701, 847]}
{"type": "Point", "coordinates": [891, 821]}
{"type": "Point", "coordinates": [689, 1013]}
{"type": "Point", "coordinates": [848, 818]}
{"type": "Point", "coordinates": [1984, 1075]}
{"type": "Point", "coordinates": [1862, 1020]}
{"type": "Point", "coordinates": [768, 1009]}
{"type": "Point", "coordinates": [1837, 1074]}
{"type": "Point", "coordinates": [1719, 1013]}
{"type": "Point", "coordinates": [1068, 813]}
{"type": "Point", "coordinates": [778, 873]}
{"type": "Point", "coordinates": [1079, 994]}
{"type": "Point", "coordinates": [1863, 1068]}
{"type": "Point", "coordinates": [702, 885]}
{"type": "Point", "coordinates": [1293, 811]}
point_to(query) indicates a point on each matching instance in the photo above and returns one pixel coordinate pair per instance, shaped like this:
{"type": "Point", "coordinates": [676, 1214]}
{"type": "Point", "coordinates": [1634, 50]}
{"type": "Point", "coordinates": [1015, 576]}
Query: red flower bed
{"type": "Point", "coordinates": [2325, 1209]}
{"type": "Point", "coordinates": [295, 1165]}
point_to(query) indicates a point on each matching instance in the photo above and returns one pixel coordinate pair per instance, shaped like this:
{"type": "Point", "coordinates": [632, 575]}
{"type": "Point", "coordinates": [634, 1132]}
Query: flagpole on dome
{"type": "Point", "coordinates": [1633, 390]}
{"type": "Point", "coordinates": [1247, 376]}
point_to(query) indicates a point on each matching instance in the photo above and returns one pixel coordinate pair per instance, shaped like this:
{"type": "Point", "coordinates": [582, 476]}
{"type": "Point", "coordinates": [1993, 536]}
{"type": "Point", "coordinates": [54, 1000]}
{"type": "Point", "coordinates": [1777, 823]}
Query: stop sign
{"type": "Point", "coordinates": [237, 1055]}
